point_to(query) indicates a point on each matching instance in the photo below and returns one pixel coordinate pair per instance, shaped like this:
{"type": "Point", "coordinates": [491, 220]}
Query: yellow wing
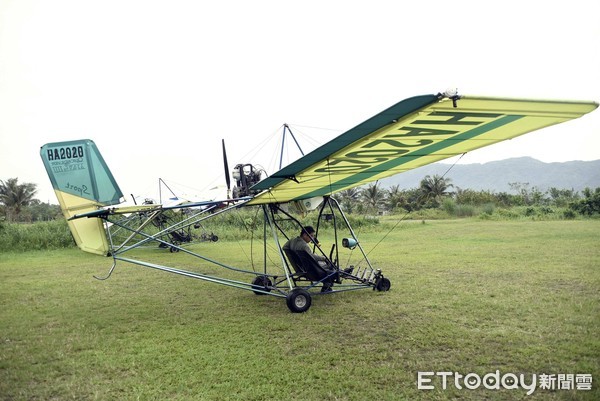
{"type": "Point", "coordinates": [412, 133]}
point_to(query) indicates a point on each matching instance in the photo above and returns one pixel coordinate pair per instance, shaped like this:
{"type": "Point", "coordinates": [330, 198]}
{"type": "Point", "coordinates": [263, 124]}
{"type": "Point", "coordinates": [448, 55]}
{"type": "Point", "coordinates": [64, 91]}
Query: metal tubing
{"type": "Point", "coordinates": [276, 239]}
{"type": "Point", "coordinates": [352, 231]}
{"type": "Point", "coordinates": [231, 283]}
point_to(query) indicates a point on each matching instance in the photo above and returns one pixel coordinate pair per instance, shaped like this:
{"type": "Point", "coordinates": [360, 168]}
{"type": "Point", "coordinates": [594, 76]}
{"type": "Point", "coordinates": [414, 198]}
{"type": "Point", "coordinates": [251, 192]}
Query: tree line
{"type": "Point", "coordinates": [436, 192]}
{"type": "Point", "coordinates": [18, 202]}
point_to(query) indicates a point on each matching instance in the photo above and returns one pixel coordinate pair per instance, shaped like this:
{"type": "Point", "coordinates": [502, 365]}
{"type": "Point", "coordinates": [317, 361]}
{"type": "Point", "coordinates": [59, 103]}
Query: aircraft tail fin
{"type": "Point", "coordinates": [82, 183]}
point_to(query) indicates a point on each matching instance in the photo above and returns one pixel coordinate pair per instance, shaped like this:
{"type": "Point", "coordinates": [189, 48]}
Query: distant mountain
{"type": "Point", "coordinates": [495, 176]}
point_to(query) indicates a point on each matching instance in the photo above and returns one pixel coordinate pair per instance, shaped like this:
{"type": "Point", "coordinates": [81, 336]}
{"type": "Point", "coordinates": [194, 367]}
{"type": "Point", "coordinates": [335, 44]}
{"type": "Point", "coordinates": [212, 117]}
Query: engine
{"type": "Point", "coordinates": [245, 176]}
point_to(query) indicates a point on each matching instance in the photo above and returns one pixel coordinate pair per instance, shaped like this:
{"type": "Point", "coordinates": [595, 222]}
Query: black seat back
{"type": "Point", "coordinates": [294, 261]}
{"type": "Point", "coordinates": [313, 270]}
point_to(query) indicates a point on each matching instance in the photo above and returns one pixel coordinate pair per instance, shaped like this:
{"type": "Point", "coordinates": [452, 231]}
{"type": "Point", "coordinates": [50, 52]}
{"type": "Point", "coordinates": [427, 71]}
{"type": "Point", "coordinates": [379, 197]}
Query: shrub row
{"type": "Point", "coordinates": [19, 237]}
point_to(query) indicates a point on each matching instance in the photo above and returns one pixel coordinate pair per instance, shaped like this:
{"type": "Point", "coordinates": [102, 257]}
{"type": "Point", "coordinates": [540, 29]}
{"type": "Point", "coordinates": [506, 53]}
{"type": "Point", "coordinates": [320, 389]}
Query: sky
{"type": "Point", "coordinates": [158, 84]}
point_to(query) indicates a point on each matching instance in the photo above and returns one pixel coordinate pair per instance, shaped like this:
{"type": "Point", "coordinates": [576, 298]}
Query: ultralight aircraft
{"type": "Point", "coordinates": [411, 133]}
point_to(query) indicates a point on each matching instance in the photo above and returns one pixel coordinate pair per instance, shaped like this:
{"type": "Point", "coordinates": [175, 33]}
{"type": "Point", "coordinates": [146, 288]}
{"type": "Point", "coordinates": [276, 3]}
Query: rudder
{"type": "Point", "coordinates": [82, 183]}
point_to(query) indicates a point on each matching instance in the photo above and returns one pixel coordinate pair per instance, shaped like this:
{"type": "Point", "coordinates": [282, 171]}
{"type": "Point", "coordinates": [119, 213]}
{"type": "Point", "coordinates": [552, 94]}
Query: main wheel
{"type": "Point", "coordinates": [298, 300]}
{"type": "Point", "coordinates": [383, 284]}
{"type": "Point", "coordinates": [261, 283]}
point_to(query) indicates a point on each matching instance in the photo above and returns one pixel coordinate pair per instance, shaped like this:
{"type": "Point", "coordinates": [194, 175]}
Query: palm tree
{"type": "Point", "coordinates": [15, 196]}
{"type": "Point", "coordinates": [373, 196]}
{"type": "Point", "coordinates": [433, 189]}
{"type": "Point", "coordinates": [348, 198]}
{"type": "Point", "coordinates": [395, 197]}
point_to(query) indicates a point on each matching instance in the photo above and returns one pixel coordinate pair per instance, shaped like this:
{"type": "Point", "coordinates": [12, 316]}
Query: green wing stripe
{"type": "Point", "coordinates": [390, 164]}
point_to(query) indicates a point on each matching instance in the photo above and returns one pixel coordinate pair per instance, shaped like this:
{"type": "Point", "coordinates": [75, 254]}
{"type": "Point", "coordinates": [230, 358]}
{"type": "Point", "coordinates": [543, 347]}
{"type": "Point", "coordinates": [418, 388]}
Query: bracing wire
{"type": "Point", "coordinates": [407, 213]}
{"type": "Point", "coordinates": [453, 164]}
{"type": "Point", "coordinates": [249, 258]}
{"type": "Point", "coordinates": [388, 233]}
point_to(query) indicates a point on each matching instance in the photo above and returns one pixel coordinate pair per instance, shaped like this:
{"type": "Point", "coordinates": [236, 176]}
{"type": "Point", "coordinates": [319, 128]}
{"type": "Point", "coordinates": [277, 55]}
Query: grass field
{"type": "Point", "coordinates": [467, 296]}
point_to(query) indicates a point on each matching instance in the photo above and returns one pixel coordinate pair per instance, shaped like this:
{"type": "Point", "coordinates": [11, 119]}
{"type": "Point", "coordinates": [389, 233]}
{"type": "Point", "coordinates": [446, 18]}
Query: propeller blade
{"type": "Point", "coordinates": [226, 166]}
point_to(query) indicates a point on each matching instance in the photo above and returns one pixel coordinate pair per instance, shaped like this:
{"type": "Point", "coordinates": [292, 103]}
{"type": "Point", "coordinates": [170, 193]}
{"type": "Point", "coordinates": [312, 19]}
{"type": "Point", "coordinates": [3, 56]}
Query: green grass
{"type": "Point", "coordinates": [467, 296]}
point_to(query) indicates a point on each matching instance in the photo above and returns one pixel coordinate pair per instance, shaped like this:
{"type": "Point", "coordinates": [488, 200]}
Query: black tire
{"type": "Point", "coordinates": [298, 300]}
{"type": "Point", "coordinates": [214, 238]}
{"type": "Point", "coordinates": [261, 283]}
{"type": "Point", "coordinates": [383, 284]}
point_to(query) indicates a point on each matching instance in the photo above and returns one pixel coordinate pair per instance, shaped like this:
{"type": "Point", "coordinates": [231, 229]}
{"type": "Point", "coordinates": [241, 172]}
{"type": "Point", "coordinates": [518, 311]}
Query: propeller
{"type": "Point", "coordinates": [226, 166]}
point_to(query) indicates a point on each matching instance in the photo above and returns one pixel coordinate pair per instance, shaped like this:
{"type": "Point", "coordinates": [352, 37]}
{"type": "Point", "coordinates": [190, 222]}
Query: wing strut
{"type": "Point", "coordinates": [287, 128]}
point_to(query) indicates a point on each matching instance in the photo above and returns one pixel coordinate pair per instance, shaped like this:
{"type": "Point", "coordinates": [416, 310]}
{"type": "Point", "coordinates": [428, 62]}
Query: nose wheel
{"type": "Point", "coordinates": [382, 284]}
